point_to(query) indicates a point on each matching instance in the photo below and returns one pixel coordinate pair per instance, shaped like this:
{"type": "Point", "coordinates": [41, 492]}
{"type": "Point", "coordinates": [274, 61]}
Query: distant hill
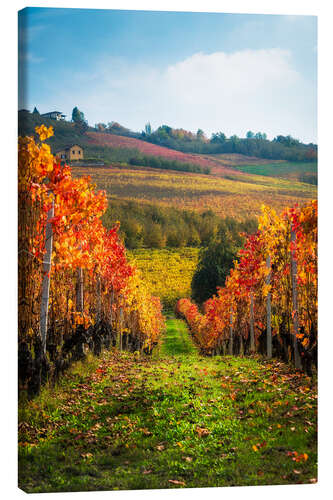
{"type": "Point", "coordinates": [148, 149]}
{"type": "Point", "coordinates": [108, 146]}
{"type": "Point", "coordinates": [116, 149]}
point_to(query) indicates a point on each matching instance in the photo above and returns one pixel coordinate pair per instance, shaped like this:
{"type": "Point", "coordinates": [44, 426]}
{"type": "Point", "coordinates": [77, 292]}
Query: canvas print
{"type": "Point", "coordinates": [167, 257]}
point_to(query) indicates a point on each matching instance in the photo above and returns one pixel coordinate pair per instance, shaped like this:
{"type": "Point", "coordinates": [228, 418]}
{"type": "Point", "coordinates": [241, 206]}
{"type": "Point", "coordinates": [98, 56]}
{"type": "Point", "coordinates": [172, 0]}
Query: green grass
{"type": "Point", "coordinates": [174, 420]}
{"type": "Point", "coordinates": [176, 340]}
{"type": "Point", "coordinates": [301, 171]}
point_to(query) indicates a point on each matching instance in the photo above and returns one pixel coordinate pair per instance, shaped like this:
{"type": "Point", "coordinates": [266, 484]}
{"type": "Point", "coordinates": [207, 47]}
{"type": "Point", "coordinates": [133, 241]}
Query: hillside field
{"type": "Point", "coordinates": [116, 141]}
{"type": "Point", "coordinates": [166, 272]}
{"type": "Point", "coordinates": [238, 196]}
{"type": "Point", "coordinates": [297, 171]}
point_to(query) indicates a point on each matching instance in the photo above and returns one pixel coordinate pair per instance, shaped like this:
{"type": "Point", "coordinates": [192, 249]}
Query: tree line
{"type": "Point", "coordinates": [254, 144]}
{"type": "Point", "coordinates": [154, 226]}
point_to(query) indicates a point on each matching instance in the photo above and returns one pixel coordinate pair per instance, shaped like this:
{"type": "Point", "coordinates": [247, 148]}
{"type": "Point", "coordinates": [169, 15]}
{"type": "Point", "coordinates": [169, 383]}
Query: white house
{"type": "Point", "coordinates": [54, 115]}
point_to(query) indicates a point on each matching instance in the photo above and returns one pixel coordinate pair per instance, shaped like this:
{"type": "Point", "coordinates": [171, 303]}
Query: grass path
{"type": "Point", "coordinates": [176, 340]}
{"type": "Point", "coordinates": [171, 421]}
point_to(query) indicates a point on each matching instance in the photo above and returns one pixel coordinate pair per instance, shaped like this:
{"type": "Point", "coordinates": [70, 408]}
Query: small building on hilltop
{"type": "Point", "coordinates": [70, 153]}
{"type": "Point", "coordinates": [54, 115]}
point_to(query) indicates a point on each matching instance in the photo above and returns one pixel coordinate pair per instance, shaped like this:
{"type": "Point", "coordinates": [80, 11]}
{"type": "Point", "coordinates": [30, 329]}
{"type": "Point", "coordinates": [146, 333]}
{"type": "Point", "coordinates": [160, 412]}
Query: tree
{"type": "Point", "coordinates": [101, 127]}
{"type": "Point", "coordinates": [35, 111]}
{"type": "Point", "coordinates": [261, 136]}
{"type": "Point", "coordinates": [77, 115]}
{"type": "Point", "coordinates": [200, 134]}
{"type": "Point", "coordinates": [218, 137]}
{"type": "Point", "coordinates": [249, 134]}
{"type": "Point", "coordinates": [214, 266]}
{"type": "Point", "coordinates": [148, 129]}
{"type": "Point", "coordinates": [153, 236]}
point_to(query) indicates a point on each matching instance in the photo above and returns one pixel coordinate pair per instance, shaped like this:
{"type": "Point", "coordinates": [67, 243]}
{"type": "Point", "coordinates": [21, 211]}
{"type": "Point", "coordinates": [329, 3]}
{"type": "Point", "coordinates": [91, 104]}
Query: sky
{"type": "Point", "coordinates": [217, 72]}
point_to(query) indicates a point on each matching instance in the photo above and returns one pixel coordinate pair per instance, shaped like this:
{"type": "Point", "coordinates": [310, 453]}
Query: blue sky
{"type": "Point", "coordinates": [217, 72]}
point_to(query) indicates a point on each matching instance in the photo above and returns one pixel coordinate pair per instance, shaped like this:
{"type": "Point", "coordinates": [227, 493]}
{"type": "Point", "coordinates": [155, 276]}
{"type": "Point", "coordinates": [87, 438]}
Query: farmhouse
{"type": "Point", "coordinates": [70, 153]}
{"type": "Point", "coordinates": [54, 115]}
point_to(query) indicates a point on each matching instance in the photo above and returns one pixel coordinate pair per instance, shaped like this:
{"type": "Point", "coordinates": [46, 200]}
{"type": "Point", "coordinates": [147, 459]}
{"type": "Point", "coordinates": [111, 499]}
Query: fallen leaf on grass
{"type": "Point", "coordinates": [296, 471]}
{"type": "Point", "coordinates": [261, 445]}
{"type": "Point", "coordinates": [313, 480]}
{"type": "Point", "coordinates": [146, 432]}
{"type": "Point", "coordinates": [79, 436]}
{"type": "Point", "coordinates": [147, 472]}
{"type": "Point", "coordinates": [86, 455]}
{"type": "Point", "coordinates": [254, 447]}
{"type": "Point", "coordinates": [187, 459]}
{"type": "Point", "coordinates": [160, 447]}
{"type": "Point", "coordinates": [297, 457]}
{"type": "Point", "coordinates": [175, 481]}
{"type": "Point", "coordinates": [202, 432]}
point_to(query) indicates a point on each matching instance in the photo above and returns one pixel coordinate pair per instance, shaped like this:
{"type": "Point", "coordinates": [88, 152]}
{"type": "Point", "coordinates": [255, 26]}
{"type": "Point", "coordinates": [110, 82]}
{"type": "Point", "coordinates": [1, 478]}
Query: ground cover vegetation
{"type": "Point", "coordinates": [175, 420]}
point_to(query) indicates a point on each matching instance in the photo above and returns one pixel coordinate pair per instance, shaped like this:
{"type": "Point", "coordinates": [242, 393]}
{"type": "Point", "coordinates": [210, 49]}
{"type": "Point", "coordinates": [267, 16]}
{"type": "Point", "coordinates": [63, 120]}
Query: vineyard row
{"type": "Point", "coordinates": [269, 301]}
{"type": "Point", "coordinates": [76, 288]}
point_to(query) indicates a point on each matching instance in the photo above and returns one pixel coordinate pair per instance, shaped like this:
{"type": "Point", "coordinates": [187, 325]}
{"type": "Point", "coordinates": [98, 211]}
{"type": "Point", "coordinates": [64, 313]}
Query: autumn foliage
{"type": "Point", "coordinates": [95, 296]}
{"type": "Point", "coordinates": [239, 309]}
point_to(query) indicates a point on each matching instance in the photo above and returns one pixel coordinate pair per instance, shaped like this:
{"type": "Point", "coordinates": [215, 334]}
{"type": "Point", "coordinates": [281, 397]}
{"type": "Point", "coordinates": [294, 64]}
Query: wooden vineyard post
{"type": "Point", "coordinates": [252, 343]}
{"type": "Point", "coordinates": [79, 308]}
{"type": "Point", "coordinates": [111, 306]}
{"type": "Point", "coordinates": [98, 331]}
{"type": "Point", "coordinates": [98, 293]}
{"type": "Point", "coordinates": [298, 364]}
{"type": "Point", "coordinates": [121, 317]}
{"type": "Point", "coordinates": [231, 340]}
{"type": "Point", "coordinates": [79, 290]}
{"type": "Point", "coordinates": [269, 310]}
{"type": "Point", "coordinates": [46, 277]}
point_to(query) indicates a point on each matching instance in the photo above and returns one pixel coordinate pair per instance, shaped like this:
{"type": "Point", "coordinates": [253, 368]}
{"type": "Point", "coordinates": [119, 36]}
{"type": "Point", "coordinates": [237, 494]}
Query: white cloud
{"type": "Point", "coordinates": [249, 89]}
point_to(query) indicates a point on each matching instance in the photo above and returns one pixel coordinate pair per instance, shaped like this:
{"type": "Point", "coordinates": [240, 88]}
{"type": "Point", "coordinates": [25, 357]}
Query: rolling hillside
{"type": "Point", "coordinates": [123, 150]}
{"type": "Point", "coordinates": [116, 141]}
{"type": "Point", "coordinates": [232, 188]}
{"type": "Point", "coordinates": [239, 196]}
